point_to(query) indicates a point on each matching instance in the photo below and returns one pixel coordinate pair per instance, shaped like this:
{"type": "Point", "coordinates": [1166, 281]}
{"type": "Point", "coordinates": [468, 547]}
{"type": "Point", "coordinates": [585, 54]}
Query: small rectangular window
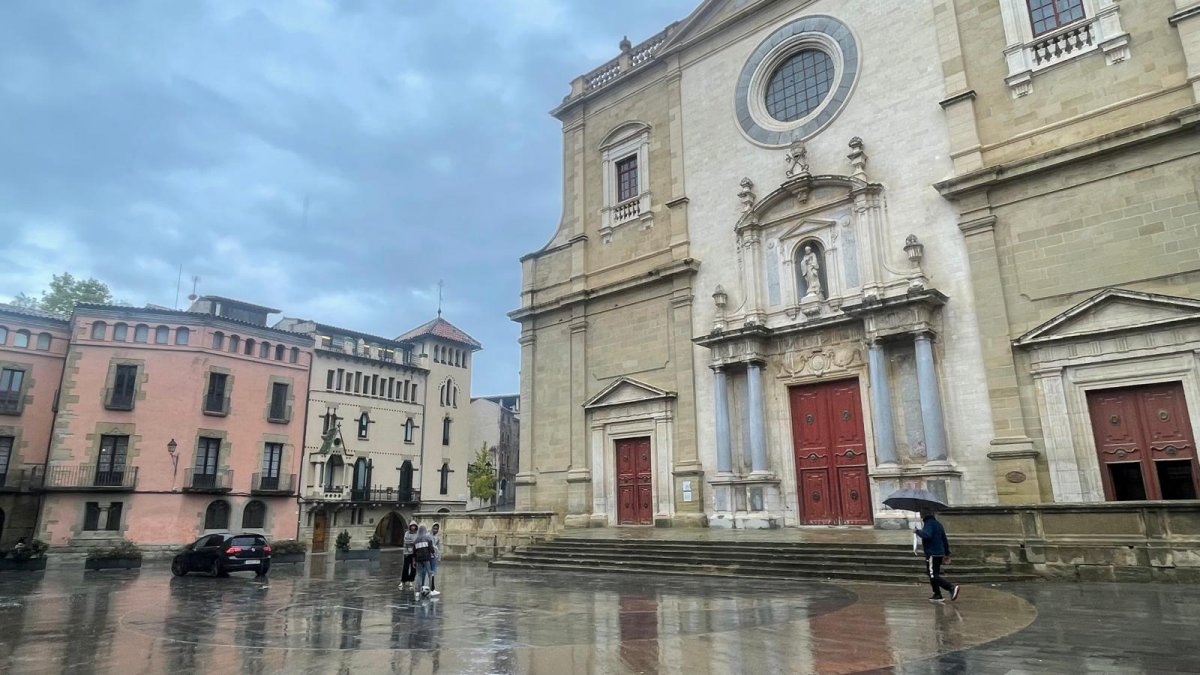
{"type": "Point", "coordinates": [10, 390]}
{"type": "Point", "coordinates": [215, 399]}
{"type": "Point", "coordinates": [114, 516]}
{"type": "Point", "coordinates": [1049, 15]}
{"type": "Point", "coordinates": [124, 386]}
{"type": "Point", "coordinates": [162, 335]}
{"type": "Point", "coordinates": [329, 379]}
{"type": "Point", "coordinates": [279, 396]}
{"type": "Point", "coordinates": [272, 460]}
{"type": "Point", "coordinates": [91, 516]}
{"type": "Point", "coordinates": [341, 374]}
{"type": "Point", "coordinates": [627, 178]}
{"type": "Point", "coordinates": [141, 334]}
{"type": "Point", "coordinates": [446, 431]}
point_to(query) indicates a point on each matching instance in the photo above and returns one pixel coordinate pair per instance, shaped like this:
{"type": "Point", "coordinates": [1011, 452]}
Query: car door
{"type": "Point", "coordinates": [192, 553]}
{"type": "Point", "coordinates": [207, 550]}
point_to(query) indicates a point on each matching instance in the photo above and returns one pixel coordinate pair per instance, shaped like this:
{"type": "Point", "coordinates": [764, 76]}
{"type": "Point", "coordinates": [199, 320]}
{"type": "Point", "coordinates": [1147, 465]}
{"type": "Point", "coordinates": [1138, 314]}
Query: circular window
{"type": "Point", "coordinates": [799, 85]}
{"type": "Point", "coordinates": [796, 81]}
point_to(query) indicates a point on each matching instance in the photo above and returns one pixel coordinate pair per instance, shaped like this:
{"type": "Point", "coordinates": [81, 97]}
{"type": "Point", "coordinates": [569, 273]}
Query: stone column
{"type": "Point", "coordinates": [758, 431]}
{"type": "Point", "coordinates": [881, 406]}
{"type": "Point", "coordinates": [721, 399]}
{"type": "Point", "coordinates": [931, 401]}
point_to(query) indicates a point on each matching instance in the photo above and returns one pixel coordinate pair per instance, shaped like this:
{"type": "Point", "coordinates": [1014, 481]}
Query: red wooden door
{"type": "Point", "coordinates": [1144, 442]}
{"type": "Point", "coordinates": [830, 449]}
{"type": "Point", "coordinates": [635, 486]}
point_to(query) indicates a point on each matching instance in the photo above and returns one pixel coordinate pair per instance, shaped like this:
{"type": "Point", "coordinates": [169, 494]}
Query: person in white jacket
{"type": "Point", "coordinates": [435, 534]}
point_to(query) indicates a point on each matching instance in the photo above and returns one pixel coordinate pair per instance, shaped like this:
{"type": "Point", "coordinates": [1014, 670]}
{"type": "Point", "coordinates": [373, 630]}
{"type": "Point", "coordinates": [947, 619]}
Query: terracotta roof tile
{"type": "Point", "coordinates": [443, 329]}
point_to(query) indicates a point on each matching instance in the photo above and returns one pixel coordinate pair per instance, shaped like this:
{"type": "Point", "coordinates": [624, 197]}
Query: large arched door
{"type": "Point", "coordinates": [391, 529]}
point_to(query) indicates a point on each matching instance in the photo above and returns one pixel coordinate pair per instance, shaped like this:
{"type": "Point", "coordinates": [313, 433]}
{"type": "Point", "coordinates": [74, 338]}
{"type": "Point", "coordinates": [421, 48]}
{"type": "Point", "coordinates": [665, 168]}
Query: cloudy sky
{"type": "Point", "coordinates": [138, 136]}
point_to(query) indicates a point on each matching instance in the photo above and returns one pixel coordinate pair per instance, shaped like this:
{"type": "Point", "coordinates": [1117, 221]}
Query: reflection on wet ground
{"type": "Point", "coordinates": [352, 618]}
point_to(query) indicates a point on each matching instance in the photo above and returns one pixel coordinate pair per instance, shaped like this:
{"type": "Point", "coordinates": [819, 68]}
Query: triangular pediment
{"type": "Point", "coordinates": [626, 390]}
{"type": "Point", "coordinates": [1114, 310]}
{"type": "Point", "coordinates": [708, 15]}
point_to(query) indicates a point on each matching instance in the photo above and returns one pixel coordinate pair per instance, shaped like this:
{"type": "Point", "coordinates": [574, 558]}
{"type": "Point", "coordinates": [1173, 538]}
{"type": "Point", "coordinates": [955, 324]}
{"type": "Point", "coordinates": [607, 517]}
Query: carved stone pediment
{"type": "Point", "coordinates": [624, 391]}
{"type": "Point", "coordinates": [1111, 311]}
{"type": "Point", "coordinates": [805, 194]}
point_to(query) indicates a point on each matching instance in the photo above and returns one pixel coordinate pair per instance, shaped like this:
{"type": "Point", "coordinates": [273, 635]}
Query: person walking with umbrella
{"type": "Point", "coordinates": [933, 536]}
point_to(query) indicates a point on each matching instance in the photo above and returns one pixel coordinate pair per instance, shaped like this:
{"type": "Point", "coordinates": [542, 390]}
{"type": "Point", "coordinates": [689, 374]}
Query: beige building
{"type": "Point", "coordinates": [758, 310]}
{"type": "Point", "coordinates": [381, 442]}
{"type": "Point", "coordinates": [496, 428]}
{"type": "Point", "coordinates": [1073, 134]}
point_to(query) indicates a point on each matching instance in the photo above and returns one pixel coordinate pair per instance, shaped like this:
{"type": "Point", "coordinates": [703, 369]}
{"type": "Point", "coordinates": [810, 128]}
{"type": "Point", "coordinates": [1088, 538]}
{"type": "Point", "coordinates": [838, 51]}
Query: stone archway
{"type": "Point", "coordinates": [390, 529]}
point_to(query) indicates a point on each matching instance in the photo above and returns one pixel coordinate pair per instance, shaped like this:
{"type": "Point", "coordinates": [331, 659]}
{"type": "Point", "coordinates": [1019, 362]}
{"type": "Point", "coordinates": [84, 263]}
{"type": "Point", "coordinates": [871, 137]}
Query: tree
{"type": "Point", "coordinates": [480, 478]}
{"type": "Point", "coordinates": [25, 301]}
{"type": "Point", "coordinates": [66, 291]}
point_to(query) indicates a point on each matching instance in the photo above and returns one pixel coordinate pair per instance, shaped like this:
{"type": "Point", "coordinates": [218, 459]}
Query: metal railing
{"type": "Point", "coordinates": [208, 481]}
{"type": "Point", "coordinates": [22, 479]}
{"type": "Point", "coordinates": [91, 477]}
{"type": "Point", "coordinates": [389, 495]}
{"type": "Point", "coordinates": [282, 484]}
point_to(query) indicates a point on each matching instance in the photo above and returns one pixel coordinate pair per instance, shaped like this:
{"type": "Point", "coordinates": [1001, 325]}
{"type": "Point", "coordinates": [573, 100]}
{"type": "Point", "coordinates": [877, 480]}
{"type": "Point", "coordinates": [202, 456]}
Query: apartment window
{"type": "Point", "coordinates": [279, 396]}
{"type": "Point", "coordinates": [21, 339]}
{"type": "Point", "coordinates": [11, 380]}
{"type": "Point", "coordinates": [264, 350]}
{"type": "Point", "coordinates": [1048, 15]}
{"type": "Point", "coordinates": [99, 330]}
{"type": "Point", "coordinates": [405, 394]}
{"type": "Point", "coordinates": [235, 343]}
{"type": "Point", "coordinates": [341, 375]}
{"type": "Point", "coordinates": [329, 375]}
{"type": "Point", "coordinates": [272, 461]}
{"type": "Point", "coordinates": [279, 350]}
{"type": "Point", "coordinates": [408, 430]}
{"type": "Point", "coordinates": [141, 333]}
{"type": "Point", "coordinates": [43, 341]}
{"type": "Point", "coordinates": [121, 395]}
{"type": "Point", "coordinates": [445, 486]}
{"type": "Point", "coordinates": [414, 392]}
{"type": "Point", "coordinates": [391, 388]}
{"type": "Point", "coordinates": [364, 423]}
{"type": "Point", "coordinates": [216, 399]}
{"type": "Point", "coordinates": [110, 465]}
{"type": "Point", "coordinates": [6, 447]}
{"type": "Point", "coordinates": [254, 516]}
{"type": "Point", "coordinates": [208, 455]}
{"type": "Point", "coordinates": [113, 524]}
{"type": "Point", "coordinates": [294, 355]}
{"type": "Point", "coordinates": [216, 516]}
{"type": "Point", "coordinates": [358, 381]}
{"type": "Point", "coordinates": [182, 335]}
{"type": "Point", "coordinates": [91, 516]}
{"type": "Point", "coordinates": [446, 431]}
{"type": "Point", "coordinates": [218, 341]}
{"type": "Point", "coordinates": [120, 332]}
{"type": "Point", "coordinates": [375, 385]}
{"type": "Point", "coordinates": [3, 335]}
{"type": "Point", "coordinates": [162, 335]}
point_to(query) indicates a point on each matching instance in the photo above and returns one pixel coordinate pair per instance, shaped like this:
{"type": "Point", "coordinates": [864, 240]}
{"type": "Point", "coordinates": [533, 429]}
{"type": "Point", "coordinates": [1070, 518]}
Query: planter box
{"type": "Point", "coordinates": [358, 554]}
{"type": "Point", "coordinates": [287, 558]}
{"type": "Point", "coordinates": [113, 564]}
{"type": "Point", "coordinates": [30, 565]}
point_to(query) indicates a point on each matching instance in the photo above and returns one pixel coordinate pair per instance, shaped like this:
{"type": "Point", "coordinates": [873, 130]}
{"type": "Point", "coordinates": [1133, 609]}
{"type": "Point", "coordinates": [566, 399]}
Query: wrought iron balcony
{"type": "Point", "coordinates": [282, 484]}
{"type": "Point", "coordinates": [25, 479]}
{"type": "Point", "coordinates": [205, 481]}
{"type": "Point", "coordinates": [116, 399]}
{"type": "Point", "coordinates": [385, 495]}
{"type": "Point", "coordinates": [91, 478]}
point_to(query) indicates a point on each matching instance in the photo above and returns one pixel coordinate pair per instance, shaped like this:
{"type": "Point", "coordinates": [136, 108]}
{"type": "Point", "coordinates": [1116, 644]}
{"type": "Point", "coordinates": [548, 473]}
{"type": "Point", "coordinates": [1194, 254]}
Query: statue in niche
{"type": "Point", "coordinates": [810, 271]}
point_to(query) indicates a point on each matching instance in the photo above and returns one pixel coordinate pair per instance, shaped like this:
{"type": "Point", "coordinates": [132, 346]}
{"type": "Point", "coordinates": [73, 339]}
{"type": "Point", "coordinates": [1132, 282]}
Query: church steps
{"type": "Point", "coordinates": [916, 566]}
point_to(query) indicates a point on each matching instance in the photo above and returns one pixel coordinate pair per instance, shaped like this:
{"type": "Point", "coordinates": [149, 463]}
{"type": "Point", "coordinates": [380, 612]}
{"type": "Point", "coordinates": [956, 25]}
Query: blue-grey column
{"type": "Point", "coordinates": [881, 406]}
{"type": "Point", "coordinates": [931, 401]}
{"type": "Point", "coordinates": [758, 432]}
{"type": "Point", "coordinates": [721, 396]}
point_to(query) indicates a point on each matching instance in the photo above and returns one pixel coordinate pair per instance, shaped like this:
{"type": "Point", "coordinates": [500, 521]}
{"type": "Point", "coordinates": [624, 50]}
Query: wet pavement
{"type": "Point", "coordinates": [350, 617]}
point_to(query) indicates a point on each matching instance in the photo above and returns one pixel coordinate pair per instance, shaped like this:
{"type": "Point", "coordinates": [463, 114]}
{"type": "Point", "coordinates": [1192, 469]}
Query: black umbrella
{"type": "Point", "coordinates": [914, 499]}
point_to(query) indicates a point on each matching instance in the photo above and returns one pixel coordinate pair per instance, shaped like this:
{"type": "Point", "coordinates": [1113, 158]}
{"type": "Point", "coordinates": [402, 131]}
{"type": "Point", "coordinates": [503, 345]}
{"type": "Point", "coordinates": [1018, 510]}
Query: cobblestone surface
{"type": "Point", "coordinates": [350, 617]}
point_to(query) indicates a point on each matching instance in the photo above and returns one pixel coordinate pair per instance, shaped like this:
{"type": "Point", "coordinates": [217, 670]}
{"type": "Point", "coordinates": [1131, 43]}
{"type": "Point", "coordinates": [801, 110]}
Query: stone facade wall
{"type": "Point", "coordinates": [487, 536]}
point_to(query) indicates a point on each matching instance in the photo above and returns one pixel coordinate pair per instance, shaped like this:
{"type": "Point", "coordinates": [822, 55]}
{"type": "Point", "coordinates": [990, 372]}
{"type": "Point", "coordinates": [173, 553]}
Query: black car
{"type": "Point", "coordinates": [220, 554]}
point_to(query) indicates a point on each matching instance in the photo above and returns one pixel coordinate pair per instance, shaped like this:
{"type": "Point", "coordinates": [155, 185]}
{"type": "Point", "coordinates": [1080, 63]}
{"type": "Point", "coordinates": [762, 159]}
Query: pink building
{"type": "Point", "coordinates": [33, 345]}
{"type": "Point", "coordinates": [172, 424]}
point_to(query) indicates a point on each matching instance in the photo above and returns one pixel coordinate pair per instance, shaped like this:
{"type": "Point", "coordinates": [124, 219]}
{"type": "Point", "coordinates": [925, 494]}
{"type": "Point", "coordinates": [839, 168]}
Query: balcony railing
{"type": "Point", "coordinates": [10, 402]}
{"type": "Point", "coordinates": [282, 484]}
{"type": "Point", "coordinates": [216, 405]}
{"type": "Point", "coordinates": [90, 477]}
{"type": "Point", "coordinates": [385, 495]}
{"type": "Point", "coordinates": [116, 399]}
{"type": "Point", "coordinates": [204, 481]}
{"type": "Point", "coordinates": [24, 479]}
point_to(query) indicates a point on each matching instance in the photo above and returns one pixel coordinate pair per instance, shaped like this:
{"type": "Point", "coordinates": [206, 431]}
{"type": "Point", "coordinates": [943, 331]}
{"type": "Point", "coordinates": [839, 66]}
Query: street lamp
{"type": "Point", "coordinates": [171, 448]}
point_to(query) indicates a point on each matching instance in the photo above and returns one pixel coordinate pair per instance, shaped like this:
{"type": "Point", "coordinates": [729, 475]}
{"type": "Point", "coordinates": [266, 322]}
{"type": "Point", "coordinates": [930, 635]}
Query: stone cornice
{"type": "Point", "coordinates": [1184, 14]}
{"type": "Point", "coordinates": [1178, 121]}
{"type": "Point", "coordinates": [958, 98]}
{"type": "Point", "coordinates": [687, 267]}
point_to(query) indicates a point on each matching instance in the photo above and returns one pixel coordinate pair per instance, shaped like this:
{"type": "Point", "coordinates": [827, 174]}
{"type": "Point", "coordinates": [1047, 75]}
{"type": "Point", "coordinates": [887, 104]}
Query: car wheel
{"type": "Point", "coordinates": [178, 568]}
{"type": "Point", "coordinates": [215, 570]}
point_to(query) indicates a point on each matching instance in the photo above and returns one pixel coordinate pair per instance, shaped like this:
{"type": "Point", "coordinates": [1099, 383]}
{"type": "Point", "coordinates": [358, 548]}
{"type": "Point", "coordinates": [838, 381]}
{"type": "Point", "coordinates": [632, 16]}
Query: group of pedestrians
{"type": "Point", "coordinates": [422, 553]}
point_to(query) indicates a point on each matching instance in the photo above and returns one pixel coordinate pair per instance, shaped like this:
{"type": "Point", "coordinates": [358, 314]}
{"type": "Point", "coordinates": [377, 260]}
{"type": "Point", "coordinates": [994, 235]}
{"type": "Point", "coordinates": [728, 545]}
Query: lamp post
{"type": "Point", "coordinates": [171, 448]}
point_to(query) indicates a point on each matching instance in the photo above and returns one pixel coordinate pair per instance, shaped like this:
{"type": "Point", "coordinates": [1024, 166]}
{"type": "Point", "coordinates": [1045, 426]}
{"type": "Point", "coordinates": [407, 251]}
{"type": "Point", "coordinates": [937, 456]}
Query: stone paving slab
{"type": "Point", "coordinates": [351, 618]}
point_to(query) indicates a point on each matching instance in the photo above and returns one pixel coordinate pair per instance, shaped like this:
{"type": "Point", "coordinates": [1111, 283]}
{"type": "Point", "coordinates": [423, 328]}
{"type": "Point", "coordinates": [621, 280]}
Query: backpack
{"type": "Point", "coordinates": [423, 550]}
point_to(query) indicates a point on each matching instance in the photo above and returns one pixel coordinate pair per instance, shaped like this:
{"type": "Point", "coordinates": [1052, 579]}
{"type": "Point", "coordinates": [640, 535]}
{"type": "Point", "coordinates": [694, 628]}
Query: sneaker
{"type": "Point", "coordinates": [954, 593]}
{"type": "Point", "coordinates": [434, 594]}
{"type": "Point", "coordinates": [424, 590]}
{"type": "Point", "coordinates": [937, 598]}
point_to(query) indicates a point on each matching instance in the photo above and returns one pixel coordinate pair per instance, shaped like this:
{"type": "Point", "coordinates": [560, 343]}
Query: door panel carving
{"type": "Point", "coordinates": [830, 452]}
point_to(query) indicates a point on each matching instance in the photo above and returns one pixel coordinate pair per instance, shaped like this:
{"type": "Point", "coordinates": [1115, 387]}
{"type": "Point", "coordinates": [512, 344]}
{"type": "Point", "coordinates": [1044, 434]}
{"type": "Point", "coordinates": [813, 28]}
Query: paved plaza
{"type": "Point", "coordinates": [351, 618]}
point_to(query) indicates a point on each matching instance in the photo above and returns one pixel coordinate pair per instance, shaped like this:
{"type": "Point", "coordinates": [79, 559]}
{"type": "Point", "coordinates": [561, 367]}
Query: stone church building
{"type": "Point", "coordinates": [813, 251]}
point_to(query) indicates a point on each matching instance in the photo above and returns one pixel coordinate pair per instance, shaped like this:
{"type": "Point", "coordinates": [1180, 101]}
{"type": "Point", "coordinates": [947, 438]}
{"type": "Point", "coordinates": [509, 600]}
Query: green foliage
{"type": "Point", "coordinates": [34, 549]}
{"type": "Point", "coordinates": [374, 542]}
{"type": "Point", "coordinates": [480, 478]}
{"type": "Point", "coordinates": [64, 293]}
{"type": "Point", "coordinates": [123, 550]}
{"type": "Point", "coordinates": [288, 546]}
{"type": "Point", "coordinates": [343, 541]}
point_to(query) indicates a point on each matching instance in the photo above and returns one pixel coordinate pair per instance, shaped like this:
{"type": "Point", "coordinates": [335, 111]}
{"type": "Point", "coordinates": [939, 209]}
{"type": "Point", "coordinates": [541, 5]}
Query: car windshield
{"type": "Point", "coordinates": [247, 541]}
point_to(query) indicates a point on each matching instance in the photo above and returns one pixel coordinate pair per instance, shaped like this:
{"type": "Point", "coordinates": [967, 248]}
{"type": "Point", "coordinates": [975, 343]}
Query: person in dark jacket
{"type": "Point", "coordinates": [937, 553]}
{"type": "Point", "coordinates": [423, 555]}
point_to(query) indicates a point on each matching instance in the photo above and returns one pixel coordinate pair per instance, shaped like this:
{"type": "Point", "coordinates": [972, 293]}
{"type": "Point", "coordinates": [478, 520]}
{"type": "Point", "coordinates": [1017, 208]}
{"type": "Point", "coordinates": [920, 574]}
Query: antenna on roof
{"type": "Point", "coordinates": [178, 281]}
{"type": "Point", "coordinates": [440, 284]}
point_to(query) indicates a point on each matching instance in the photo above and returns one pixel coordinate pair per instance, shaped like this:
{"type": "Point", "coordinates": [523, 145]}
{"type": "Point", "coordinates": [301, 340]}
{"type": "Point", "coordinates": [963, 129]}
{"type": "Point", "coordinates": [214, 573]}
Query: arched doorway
{"type": "Point", "coordinates": [333, 473]}
{"type": "Point", "coordinates": [390, 529]}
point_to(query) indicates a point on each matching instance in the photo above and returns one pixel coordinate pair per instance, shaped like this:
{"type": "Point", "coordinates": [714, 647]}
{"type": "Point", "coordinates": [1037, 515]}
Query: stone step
{"type": "Point", "coordinates": [729, 550]}
{"type": "Point", "coordinates": [721, 543]}
{"type": "Point", "coordinates": [641, 567]}
{"type": "Point", "coordinates": [816, 567]}
{"type": "Point", "coordinates": [910, 563]}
